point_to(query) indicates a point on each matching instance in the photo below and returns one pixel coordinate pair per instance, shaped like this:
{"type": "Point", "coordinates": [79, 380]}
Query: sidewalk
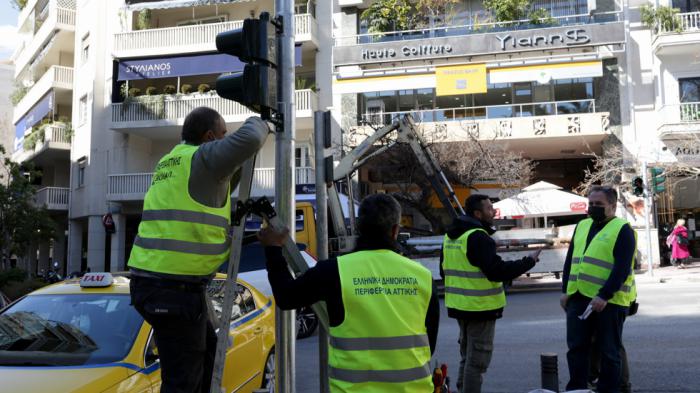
{"type": "Point", "coordinates": [670, 273]}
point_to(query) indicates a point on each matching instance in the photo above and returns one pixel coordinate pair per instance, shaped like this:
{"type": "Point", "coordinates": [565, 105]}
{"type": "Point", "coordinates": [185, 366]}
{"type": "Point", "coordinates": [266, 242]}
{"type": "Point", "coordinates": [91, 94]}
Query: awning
{"type": "Point", "coordinates": [138, 5]}
{"type": "Point", "coordinates": [168, 67]}
{"type": "Point", "coordinates": [41, 109]}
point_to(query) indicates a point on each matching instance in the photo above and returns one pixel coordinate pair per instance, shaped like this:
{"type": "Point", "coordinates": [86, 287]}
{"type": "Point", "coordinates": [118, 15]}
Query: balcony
{"type": "Point", "coordinates": [543, 129]}
{"type": "Point", "coordinates": [53, 198]}
{"type": "Point", "coordinates": [679, 119]}
{"type": "Point", "coordinates": [50, 142]}
{"type": "Point", "coordinates": [192, 39]}
{"type": "Point", "coordinates": [57, 77]}
{"type": "Point", "coordinates": [55, 35]}
{"type": "Point", "coordinates": [133, 186]}
{"type": "Point", "coordinates": [169, 111]}
{"type": "Point", "coordinates": [682, 37]}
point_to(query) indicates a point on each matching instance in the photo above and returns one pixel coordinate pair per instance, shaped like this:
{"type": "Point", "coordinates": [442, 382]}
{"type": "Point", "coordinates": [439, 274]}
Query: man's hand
{"type": "Point", "coordinates": [270, 237]}
{"type": "Point", "coordinates": [535, 255]}
{"type": "Point", "coordinates": [598, 304]}
{"type": "Point", "coordinates": [563, 300]}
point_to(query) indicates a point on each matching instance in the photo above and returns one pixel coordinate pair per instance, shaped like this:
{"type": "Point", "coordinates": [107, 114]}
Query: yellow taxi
{"type": "Point", "coordinates": [83, 336]}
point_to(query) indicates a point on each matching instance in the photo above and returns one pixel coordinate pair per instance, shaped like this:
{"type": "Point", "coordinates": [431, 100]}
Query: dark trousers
{"type": "Point", "coordinates": [594, 371]}
{"type": "Point", "coordinates": [184, 336]}
{"type": "Point", "coordinates": [607, 328]}
{"type": "Point", "coordinates": [475, 349]}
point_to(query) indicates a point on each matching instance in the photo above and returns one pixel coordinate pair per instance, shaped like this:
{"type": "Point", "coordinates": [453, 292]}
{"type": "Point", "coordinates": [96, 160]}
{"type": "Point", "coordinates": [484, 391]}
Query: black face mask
{"type": "Point", "coordinates": [597, 213]}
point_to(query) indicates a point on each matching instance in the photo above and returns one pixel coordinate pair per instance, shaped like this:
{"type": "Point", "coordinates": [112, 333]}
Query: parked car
{"type": "Point", "coordinates": [69, 337]}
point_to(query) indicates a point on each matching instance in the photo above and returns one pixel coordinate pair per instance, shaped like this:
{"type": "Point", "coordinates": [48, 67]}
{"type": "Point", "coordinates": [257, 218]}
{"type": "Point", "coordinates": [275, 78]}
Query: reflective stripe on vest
{"type": "Point", "coordinates": [591, 266]}
{"type": "Point", "coordinates": [178, 235]}
{"type": "Point", "coordinates": [466, 286]}
{"type": "Point", "coordinates": [382, 344]}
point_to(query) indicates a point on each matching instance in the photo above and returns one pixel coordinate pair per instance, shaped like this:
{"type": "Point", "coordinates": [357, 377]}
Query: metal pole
{"type": "Point", "coordinates": [647, 229]}
{"type": "Point", "coordinates": [285, 332]}
{"type": "Point", "coordinates": [321, 236]}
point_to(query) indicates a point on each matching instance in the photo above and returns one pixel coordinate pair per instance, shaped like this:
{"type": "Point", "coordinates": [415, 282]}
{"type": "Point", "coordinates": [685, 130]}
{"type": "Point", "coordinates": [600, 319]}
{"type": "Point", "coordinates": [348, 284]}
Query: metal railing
{"type": "Point", "coordinates": [551, 108]}
{"type": "Point", "coordinates": [682, 22]}
{"type": "Point", "coordinates": [204, 34]}
{"type": "Point", "coordinates": [135, 185]}
{"type": "Point", "coordinates": [53, 198]}
{"type": "Point", "coordinates": [55, 76]}
{"type": "Point", "coordinates": [685, 112]}
{"type": "Point", "coordinates": [178, 107]}
{"type": "Point", "coordinates": [477, 28]}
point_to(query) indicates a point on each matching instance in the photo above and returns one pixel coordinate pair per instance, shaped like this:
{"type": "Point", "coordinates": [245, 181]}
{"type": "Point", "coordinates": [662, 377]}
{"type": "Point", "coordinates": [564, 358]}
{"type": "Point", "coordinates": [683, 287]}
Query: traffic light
{"type": "Point", "coordinates": [255, 44]}
{"type": "Point", "coordinates": [657, 180]}
{"type": "Point", "coordinates": [638, 186]}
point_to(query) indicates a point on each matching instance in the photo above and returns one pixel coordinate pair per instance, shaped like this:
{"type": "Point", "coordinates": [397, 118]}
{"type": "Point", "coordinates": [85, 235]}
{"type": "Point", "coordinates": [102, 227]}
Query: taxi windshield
{"type": "Point", "coordinates": [68, 330]}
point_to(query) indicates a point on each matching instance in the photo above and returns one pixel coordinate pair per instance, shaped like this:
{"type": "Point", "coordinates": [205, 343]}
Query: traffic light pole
{"type": "Point", "coordinates": [647, 200]}
{"type": "Point", "coordinates": [285, 337]}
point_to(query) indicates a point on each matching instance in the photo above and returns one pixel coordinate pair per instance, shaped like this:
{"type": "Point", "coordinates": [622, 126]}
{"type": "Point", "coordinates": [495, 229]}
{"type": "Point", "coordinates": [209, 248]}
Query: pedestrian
{"type": "Point", "coordinates": [474, 295]}
{"type": "Point", "coordinates": [383, 308]}
{"type": "Point", "coordinates": [182, 240]}
{"type": "Point", "coordinates": [679, 244]}
{"type": "Point", "coordinates": [598, 273]}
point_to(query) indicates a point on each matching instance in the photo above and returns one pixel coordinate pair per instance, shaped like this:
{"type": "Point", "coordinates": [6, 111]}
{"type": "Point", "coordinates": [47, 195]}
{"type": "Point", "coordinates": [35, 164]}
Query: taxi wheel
{"type": "Point", "coordinates": [307, 322]}
{"type": "Point", "coordinates": [268, 382]}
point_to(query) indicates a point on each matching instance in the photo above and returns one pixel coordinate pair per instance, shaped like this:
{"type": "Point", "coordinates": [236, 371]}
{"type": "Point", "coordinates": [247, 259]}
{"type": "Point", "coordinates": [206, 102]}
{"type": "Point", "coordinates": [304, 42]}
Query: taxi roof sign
{"type": "Point", "coordinates": [96, 280]}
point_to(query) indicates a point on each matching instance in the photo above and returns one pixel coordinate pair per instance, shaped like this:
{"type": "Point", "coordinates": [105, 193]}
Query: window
{"type": "Point", "coordinates": [204, 21]}
{"type": "Point", "coordinates": [83, 110]}
{"type": "Point", "coordinates": [689, 90]}
{"type": "Point", "coordinates": [81, 175]}
{"type": "Point", "coordinates": [243, 304]}
{"type": "Point", "coordinates": [85, 49]}
{"type": "Point", "coordinates": [301, 157]}
{"type": "Point", "coordinates": [687, 5]}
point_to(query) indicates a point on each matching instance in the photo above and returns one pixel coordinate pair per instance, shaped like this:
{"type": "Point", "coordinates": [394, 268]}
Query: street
{"type": "Point", "coordinates": [661, 341]}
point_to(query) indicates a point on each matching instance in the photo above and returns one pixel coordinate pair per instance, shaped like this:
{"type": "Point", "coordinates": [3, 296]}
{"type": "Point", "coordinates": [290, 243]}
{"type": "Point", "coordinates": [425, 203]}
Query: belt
{"type": "Point", "coordinates": [169, 284]}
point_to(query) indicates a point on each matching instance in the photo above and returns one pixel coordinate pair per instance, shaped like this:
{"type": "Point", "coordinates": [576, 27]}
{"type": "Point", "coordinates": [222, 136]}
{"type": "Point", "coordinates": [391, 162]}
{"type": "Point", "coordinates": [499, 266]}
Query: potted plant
{"type": "Point", "coordinates": [203, 88]}
{"type": "Point", "coordinates": [151, 90]}
{"type": "Point", "coordinates": [169, 89]}
{"type": "Point", "coordinates": [186, 89]}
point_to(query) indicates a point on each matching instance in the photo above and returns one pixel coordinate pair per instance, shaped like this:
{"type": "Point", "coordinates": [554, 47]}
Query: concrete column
{"type": "Point", "coordinates": [96, 244]}
{"type": "Point", "coordinates": [118, 255]}
{"type": "Point", "coordinates": [75, 245]}
{"type": "Point", "coordinates": [32, 260]}
{"type": "Point", "coordinates": [59, 249]}
{"type": "Point", "coordinates": [44, 252]}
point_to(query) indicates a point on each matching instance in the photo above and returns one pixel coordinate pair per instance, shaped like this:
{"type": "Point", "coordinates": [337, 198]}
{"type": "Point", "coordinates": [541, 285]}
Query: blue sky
{"type": "Point", "coordinates": [8, 26]}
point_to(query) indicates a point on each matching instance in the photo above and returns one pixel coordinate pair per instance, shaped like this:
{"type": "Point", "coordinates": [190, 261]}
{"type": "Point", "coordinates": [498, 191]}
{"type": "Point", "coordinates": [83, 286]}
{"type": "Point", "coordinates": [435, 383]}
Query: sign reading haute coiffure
{"type": "Point", "coordinates": [481, 44]}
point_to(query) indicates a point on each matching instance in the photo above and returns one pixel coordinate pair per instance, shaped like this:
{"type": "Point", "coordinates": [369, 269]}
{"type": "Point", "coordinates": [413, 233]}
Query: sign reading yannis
{"type": "Point", "coordinates": [481, 44]}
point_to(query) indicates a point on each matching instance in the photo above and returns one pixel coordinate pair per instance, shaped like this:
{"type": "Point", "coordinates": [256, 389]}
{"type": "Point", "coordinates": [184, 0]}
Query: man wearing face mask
{"type": "Point", "coordinates": [474, 295]}
{"type": "Point", "coordinates": [598, 272]}
{"type": "Point", "coordinates": [182, 240]}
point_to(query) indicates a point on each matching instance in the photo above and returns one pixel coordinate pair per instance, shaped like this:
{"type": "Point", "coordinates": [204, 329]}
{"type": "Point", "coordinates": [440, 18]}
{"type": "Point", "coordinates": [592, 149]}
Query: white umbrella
{"type": "Point", "coordinates": [541, 199]}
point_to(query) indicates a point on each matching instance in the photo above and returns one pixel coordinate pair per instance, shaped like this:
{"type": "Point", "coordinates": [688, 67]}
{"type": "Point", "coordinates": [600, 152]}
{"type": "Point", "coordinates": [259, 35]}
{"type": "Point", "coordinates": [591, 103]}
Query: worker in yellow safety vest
{"type": "Point", "coordinates": [599, 276]}
{"type": "Point", "coordinates": [183, 238]}
{"type": "Point", "coordinates": [383, 308]}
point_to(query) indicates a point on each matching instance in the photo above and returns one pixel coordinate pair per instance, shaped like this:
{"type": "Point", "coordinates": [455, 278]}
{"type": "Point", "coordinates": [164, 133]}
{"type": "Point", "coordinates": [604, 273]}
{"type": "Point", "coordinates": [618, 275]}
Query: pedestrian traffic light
{"type": "Point", "coordinates": [658, 179]}
{"type": "Point", "coordinates": [638, 186]}
{"type": "Point", "coordinates": [254, 44]}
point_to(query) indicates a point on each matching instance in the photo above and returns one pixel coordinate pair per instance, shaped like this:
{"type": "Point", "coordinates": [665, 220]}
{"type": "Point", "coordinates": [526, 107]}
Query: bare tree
{"type": "Point", "coordinates": [465, 163]}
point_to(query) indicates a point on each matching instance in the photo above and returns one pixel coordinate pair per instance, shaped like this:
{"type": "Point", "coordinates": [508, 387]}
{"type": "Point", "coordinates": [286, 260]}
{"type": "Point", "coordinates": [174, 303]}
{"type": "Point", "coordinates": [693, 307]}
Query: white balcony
{"type": "Point", "coordinates": [167, 112]}
{"type": "Point", "coordinates": [57, 77]}
{"type": "Point", "coordinates": [53, 198]}
{"type": "Point", "coordinates": [683, 37]}
{"type": "Point", "coordinates": [679, 119]}
{"type": "Point", "coordinates": [55, 35]}
{"type": "Point", "coordinates": [51, 143]}
{"type": "Point", "coordinates": [557, 129]}
{"type": "Point", "coordinates": [133, 186]}
{"type": "Point", "coordinates": [193, 39]}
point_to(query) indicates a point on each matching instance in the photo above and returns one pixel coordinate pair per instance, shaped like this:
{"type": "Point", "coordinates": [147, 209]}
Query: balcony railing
{"type": "Point", "coordinates": [680, 117]}
{"type": "Point", "coordinates": [684, 22]}
{"type": "Point", "coordinates": [552, 108]}
{"type": "Point", "coordinates": [202, 37]}
{"type": "Point", "coordinates": [55, 136]}
{"type": "Point", "coordinates": [58, 18]}
{"type": "Point", "coordinates": [53, 198]}
{"type": "Point", "coordinates": [477, 28]}
{"type": "Point", "coordinates": [55, 77]}
{"type": "Point", "coordinates": [176, 107]}
{"type": "Point", "coordinates": [133, 186]}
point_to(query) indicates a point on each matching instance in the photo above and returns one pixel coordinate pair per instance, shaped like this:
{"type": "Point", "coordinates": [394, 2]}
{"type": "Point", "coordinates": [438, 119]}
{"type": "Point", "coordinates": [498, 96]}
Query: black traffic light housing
{"type": "Point", "coordinates": [638, 186]}
{"type": "Point", "coordinates": [256, 87]}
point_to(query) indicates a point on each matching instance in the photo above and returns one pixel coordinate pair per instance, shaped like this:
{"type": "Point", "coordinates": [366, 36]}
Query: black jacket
{"type": "Point", "coordinates": [481, 252]}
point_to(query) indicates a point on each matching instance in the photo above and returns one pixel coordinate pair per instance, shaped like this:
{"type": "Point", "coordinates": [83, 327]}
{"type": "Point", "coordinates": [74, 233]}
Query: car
{"type": "Point", "coordinates": [83, 336]}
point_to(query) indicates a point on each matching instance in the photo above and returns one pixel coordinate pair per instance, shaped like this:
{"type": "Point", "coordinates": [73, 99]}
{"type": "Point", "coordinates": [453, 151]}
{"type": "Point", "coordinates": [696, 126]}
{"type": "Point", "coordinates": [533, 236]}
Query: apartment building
{"type": "Point", "coordinates": [6, 82]}
{"type": "Point", "coordinates": [139, 68]}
